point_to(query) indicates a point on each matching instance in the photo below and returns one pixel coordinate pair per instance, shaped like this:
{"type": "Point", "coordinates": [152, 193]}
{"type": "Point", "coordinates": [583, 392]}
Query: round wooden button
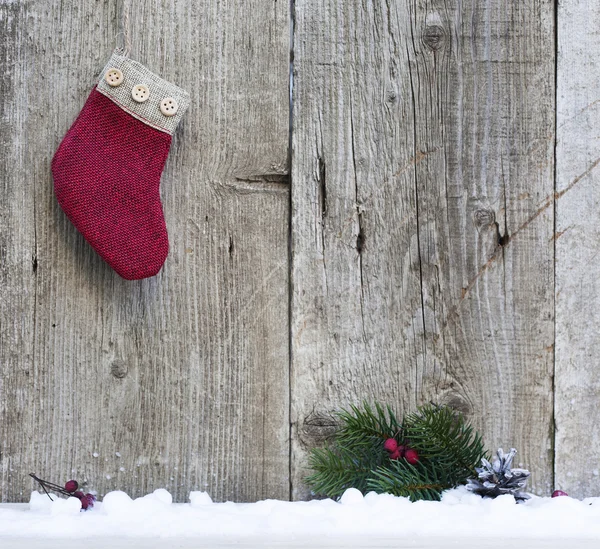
{"type": "Point", "coordinates": [140, 93]}
{"type": "Point", "coordinates": [168, 106]}
{"type": "Point", "coordinates": [113, 77]}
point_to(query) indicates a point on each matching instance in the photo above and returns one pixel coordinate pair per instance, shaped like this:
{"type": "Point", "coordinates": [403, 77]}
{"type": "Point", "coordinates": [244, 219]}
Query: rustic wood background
{"type": "Point", "coordinates": [428, 232]}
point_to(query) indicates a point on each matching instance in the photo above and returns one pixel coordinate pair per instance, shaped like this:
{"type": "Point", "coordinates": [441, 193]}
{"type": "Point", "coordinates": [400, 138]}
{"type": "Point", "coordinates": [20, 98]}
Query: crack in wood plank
{"type": "Point", "coordinates": [549, 201]}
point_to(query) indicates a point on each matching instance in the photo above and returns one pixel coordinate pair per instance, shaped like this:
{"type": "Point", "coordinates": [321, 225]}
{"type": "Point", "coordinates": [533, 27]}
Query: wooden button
{"type": "Point", "coordinates": [140, 93]}
{"type": "Point", "coordinates": [113, 77]}
{"type": "Point", "coordinates": [168, 106]}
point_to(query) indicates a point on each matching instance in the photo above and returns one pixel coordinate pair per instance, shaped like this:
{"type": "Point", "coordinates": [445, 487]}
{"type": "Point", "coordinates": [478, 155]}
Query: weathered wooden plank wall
{"type": "Point", "coordinates": [422, 236]}
{"type": "Point", "coordinates": [577, 396]}
{"type": "Point", "coordinates": [422, 252]}
{"type": "Point", "coordinates": [184, 375]}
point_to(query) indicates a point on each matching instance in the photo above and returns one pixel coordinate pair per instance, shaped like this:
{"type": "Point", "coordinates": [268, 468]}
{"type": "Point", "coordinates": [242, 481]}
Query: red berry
{"type": "Point", "coordinates": [90, 499]}
{"type": "Point", "coordinates": [84, 503]}
{"type": "Point", "coordinates": [411, 456]}
{"type": "Point", "coordinates": [78, 494]}
{"type": "Point", "coordinates": [558, 493]}
{"type": "Point", "coordinates": [395, 454]}
{"type": "Point", "coordinates": [402, 450]}
{"type": "Point", "coordinates": [71, 486]}
{"type": "Point", "coordinates": [391, 444]}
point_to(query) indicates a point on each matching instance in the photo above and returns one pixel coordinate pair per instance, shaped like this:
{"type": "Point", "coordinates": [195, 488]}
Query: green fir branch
{"type": "Point", "coordinates": [367, 426]}
{"type": "Point", "coordinates": [448, 452]}
{"type": "Point", "coordinates": [400, 478]}
{"type": "Point", "coordinates": [335, 472]}
{"type": "Point", "coordinates": [441, 434]}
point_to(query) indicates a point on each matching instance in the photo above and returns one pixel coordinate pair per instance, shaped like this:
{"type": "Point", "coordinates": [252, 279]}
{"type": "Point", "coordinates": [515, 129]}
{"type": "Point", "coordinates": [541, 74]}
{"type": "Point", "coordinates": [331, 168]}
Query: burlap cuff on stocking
{"type": "Point", "coordinates": [148, 111]}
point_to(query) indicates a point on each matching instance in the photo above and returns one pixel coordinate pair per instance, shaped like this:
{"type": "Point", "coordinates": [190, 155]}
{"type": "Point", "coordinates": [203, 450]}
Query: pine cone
{"type": "Point", "coordinates": [498, 479]}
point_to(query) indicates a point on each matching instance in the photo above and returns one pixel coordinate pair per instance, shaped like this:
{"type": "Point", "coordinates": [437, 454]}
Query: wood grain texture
{"type": "Point", "coordinates": [577, 237]}
{"type": "Point", "coordinates": [422, 219]}
{"type": "Point", "coordinates": [180, 381]}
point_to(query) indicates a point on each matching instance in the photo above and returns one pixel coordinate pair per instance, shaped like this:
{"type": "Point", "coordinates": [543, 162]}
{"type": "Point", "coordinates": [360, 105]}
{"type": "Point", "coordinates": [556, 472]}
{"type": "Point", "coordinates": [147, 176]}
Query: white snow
{"type": "Point", "coordinates": [200, 498]}
{"type": "Point", "coordinates": [460, 519]}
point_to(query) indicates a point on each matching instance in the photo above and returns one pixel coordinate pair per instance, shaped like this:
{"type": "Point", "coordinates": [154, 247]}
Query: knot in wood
{"type": "Point", "coordinates": [484, 218]}
{"type": "Point", "coordinates": [119, 369]}
{"type": "Point", "coordinates": [318, 427]}
{"type": "Point", "coordinates": [456, 403]}
{"type": "Point", "coordinates": [434, 37]}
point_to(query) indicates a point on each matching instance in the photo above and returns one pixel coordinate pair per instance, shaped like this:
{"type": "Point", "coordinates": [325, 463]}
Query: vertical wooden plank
{"type": "Point", "coordinates": [422, 184]}
{"type": "Point", "coordinates": [577, 237]}
{"type": "Point", "coordinates": [180, 381]}
{"type": "Point", "coordinates": [485, 111]}
{"type": "Point", "coordinates": [18, 261]}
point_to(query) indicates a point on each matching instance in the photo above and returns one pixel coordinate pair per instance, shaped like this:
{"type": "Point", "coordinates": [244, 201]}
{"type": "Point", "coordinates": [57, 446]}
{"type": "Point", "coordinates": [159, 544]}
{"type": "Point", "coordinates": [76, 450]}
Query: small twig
{"type": "Point", "coordinates": [45, 484]}
{"type": "Point", "coordinates": [398, 432]}
{"type": "Point", "coordinates": [41, 483]}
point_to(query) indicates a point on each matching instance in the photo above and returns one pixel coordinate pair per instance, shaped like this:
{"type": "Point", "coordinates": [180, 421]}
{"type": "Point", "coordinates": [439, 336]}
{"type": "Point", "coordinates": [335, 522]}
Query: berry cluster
{"type": "Point", "coordinates": [70, 489]}
{"type": "Point", "coordinates": [398, 451]}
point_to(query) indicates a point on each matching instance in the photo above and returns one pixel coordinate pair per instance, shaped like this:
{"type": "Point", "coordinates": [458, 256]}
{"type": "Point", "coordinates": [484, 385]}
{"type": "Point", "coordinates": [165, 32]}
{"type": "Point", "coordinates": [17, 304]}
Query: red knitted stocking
{"type": "Point", "coordinates": [107, 169]}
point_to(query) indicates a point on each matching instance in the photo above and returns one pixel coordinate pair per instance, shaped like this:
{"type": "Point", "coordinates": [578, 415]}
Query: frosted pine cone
{"type": "Point", "coordinates": [498, 479]}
